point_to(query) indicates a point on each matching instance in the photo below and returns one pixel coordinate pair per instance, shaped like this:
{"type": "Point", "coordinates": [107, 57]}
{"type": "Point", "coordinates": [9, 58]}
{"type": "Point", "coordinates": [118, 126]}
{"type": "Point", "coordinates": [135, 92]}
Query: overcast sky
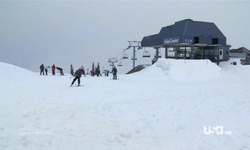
{"type": "Point", "coordinates": [82, 32]}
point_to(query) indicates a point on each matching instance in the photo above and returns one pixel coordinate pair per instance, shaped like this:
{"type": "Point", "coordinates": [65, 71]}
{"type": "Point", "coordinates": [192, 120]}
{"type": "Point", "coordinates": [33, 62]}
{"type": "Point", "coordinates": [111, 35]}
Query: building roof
{"type": "Point", "coordinates": [240, 50]}
{"type": "Point", "coordinates": [181, 29]}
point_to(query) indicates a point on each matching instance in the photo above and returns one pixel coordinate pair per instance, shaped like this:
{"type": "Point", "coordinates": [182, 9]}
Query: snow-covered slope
{"type": "Point", "coordinates": [165, 106]}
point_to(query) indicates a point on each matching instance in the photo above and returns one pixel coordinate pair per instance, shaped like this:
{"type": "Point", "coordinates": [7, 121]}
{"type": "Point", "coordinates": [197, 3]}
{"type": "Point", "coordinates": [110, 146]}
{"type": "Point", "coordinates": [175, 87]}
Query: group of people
{"type": "Point", "coordinates": [53, 69]}
{"type": "Point", "coordinates": [77, 74]}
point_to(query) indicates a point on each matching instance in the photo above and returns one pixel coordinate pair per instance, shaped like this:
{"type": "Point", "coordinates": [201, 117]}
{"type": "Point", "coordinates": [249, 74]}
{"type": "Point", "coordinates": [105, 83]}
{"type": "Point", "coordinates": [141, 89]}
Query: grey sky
{"type": "Point", "coordinates": [82, 32]}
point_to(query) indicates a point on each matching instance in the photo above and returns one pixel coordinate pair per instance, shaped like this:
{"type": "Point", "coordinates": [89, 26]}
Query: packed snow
{"type": "Point", "coordinates": [173, 104]}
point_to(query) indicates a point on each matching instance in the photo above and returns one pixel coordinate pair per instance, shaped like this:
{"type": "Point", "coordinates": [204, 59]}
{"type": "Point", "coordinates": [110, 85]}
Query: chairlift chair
{"type": "Point", "coordinates": [146, 54]}
{"type": "Point", "coordinates": [125, 56]}
{"type": "Point", "coordinates": [135, 58]}
{"type": "Point", "coordinates": [120, 64]}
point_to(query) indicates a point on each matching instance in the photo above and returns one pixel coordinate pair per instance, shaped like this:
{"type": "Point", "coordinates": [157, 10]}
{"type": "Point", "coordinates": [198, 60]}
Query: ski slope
{"type": "Point", "coordinates": [165, 106]}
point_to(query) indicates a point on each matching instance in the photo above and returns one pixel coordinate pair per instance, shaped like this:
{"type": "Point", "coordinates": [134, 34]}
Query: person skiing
{"type": "Point", "coordinates": [46, 70]}
{"type": "Point", "coordinates": [114, 71]}
{"type": "Point", "coordinates": [71, 70]}
{"type": "Point", "coordinates": [42, 69]}
{"type": "Point", "coordinates": [53, 68]}
{"type": "Point", "coordinates": [78, 75]}
{"type": "Point", "coordinates": [61, 70]}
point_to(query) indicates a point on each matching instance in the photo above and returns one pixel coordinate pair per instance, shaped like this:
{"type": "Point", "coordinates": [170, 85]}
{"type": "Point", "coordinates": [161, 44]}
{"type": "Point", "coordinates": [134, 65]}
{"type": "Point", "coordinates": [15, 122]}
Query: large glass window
{"type": "Point", "coordinates": [171, 52]}
{"type": "Point", "coordinates": [184, 52]}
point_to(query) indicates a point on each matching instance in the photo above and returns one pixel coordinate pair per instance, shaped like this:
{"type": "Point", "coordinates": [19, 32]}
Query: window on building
{"type": "Point", "coordinates": [215, 41]}
{"type": "Point", "coordinates": [196, 40]}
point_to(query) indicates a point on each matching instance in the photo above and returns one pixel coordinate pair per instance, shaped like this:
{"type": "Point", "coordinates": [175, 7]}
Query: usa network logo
{"type": "Point", "coordinates": [218, 130]}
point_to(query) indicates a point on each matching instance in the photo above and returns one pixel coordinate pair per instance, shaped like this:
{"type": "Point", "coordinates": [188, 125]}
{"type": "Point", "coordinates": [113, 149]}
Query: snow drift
{"type": "Point", "coordinates": [149, 110]}
{"type": "Point", "coordinates": [183, 69]}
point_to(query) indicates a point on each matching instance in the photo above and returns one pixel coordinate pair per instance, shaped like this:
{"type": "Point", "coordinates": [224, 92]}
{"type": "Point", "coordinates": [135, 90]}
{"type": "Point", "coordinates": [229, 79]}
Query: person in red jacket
{"type": "Point", "coordinates": [53, 68]}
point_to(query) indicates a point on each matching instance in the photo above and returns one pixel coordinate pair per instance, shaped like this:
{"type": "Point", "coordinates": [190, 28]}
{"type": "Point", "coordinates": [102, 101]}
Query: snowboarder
{"type": "Point", "coordinates": [61, 70]}
{"type": "Point", "coordinates": [46, 70]}
{"type": "Point", "coordinates": [53, 68]}
{"type": "Point", "coordinates": [71, 70]}
{"type": "Point", "coordinates": [114, 71]}
{"type": "Point", "coordinates": [42, 69]}
{"type": "Point", "coordinates": [78, 75]}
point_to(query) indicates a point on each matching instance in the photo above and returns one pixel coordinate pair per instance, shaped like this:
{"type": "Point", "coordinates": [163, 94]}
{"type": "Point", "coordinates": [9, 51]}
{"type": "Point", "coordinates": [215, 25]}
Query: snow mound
{"type": "Point", "coordinates": [12, 70]}
{"type": "Point", "coordinates": [183, 69]}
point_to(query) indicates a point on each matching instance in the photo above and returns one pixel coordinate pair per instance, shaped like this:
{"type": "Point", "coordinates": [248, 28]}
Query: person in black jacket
{"type": "Point", "coordinates": [114, 71]}
{"type": "Point", "coordinates": [61, 70]}
{"type": "Point", "coordinates": [78, 75]}
{"type": "Point", "coordinates": [42, 69]}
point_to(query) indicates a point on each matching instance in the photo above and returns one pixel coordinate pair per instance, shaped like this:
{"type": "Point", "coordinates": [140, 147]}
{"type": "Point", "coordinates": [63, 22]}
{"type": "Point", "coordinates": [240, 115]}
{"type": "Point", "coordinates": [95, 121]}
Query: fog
{"type": "Point", "coordinates": [82, 32]}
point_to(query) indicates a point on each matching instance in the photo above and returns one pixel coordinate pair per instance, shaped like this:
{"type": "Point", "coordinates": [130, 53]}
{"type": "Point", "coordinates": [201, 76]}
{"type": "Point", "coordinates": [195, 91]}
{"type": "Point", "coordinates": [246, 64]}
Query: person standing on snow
{"type": "Point", "coordinates": [83, 71]}
{"type": "Point", "coordinates": [71, 70]}
{"type": "Point", "coordinates": [114, 71]}
{"type": "Point", "coordinates": [53, 68]}
{"type": "Point", "coordinates": [46, 70]}
{"type": "Point", "coordinates": [42, 69]}
{"type": "Point", "coordinates": [78, 75]}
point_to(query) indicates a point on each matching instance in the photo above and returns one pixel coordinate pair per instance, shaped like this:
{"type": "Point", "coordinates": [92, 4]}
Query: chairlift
{"type": "Point", "coordinates": [125, 56]}
{"type": "Point", "coordinates": [146, 54]}
{"type": "Point", "coordinates": [112, 60]}
{"type": "Point", "coordinates": [135, 58]}
{"type": "Point", "coordinates": [120, 63]}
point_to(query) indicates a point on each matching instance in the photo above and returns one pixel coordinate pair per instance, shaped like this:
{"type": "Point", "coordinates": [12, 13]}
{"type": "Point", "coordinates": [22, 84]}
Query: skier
{"type": "Point", "coordinates": [53, 68]}
{"type": "Point", "coordinates": [78, 75]}
{"type": "Point", "coordinates": [71, 70]}
{"type": "Point", "coordinates": [61, 70]}
{"type": "Point", "coordinates": [42, 69]}
{"type": "Point", "coordinates": [46, 70]}
{"type": "Point", "coordinates": [114, 71]}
